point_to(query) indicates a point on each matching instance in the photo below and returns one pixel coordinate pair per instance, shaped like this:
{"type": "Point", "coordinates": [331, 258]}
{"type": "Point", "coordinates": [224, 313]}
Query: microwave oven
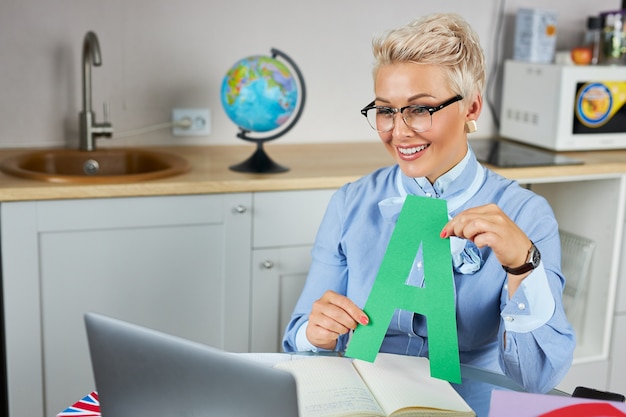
{"type": "Point", "coordinates": [564, 107]}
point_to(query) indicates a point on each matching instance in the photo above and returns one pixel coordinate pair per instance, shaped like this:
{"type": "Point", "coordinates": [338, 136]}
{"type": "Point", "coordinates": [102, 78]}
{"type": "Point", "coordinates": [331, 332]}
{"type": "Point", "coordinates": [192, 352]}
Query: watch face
{"type": "Point", "coordinates": [535, 257]}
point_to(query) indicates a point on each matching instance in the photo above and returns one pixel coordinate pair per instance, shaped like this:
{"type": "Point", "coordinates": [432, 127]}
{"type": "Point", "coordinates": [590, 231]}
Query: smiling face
{"type": "Point", "coordinates": [433, 153]}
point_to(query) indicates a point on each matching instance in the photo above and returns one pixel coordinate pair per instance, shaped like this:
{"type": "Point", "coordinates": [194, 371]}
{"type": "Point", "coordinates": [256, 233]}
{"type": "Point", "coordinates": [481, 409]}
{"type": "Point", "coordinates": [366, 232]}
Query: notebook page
{"type": "Point", "coordinates": [399, 381]}
{"type": "Point", "coordinates": [268, 359]}
{"type": "Point", "coordinates": [329, 386]}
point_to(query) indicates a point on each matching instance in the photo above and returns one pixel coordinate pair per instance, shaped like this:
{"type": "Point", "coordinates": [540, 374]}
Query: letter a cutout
{"type": "Point", "coordinates": [420, 222]}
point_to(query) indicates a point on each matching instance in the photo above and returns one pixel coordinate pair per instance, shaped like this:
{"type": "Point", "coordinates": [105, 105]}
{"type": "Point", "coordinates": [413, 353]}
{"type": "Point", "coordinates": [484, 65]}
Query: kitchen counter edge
{"type": "Point", "coordinates": [311, 166]}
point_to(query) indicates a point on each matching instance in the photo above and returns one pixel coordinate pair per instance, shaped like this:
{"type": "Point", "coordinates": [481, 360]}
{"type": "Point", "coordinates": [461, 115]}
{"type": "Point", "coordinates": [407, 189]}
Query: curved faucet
{"type": "Point", "coordinates": [88, 128]}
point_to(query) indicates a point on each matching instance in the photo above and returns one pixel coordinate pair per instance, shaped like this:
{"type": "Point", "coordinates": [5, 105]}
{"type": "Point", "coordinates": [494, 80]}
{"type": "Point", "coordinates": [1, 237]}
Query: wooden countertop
{"type": "Point", "coordinates": [310, 166]}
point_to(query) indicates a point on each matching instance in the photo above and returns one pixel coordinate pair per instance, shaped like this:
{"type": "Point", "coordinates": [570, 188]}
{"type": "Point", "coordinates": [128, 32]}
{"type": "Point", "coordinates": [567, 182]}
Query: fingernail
{"type": "Point", "coordinates": [443, 234]}
{"type": "Point", "coordinates": [364, 320]}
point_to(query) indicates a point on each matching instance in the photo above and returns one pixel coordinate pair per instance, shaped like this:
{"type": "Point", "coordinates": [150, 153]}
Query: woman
{"type": "Point", "coordinates": [428, 82]}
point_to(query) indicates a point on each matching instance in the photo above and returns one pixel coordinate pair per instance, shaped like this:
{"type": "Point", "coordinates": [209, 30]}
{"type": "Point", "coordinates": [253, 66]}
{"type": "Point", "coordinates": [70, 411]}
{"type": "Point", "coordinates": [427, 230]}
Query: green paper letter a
{"type": "Point", "coordinates": [419, 223]}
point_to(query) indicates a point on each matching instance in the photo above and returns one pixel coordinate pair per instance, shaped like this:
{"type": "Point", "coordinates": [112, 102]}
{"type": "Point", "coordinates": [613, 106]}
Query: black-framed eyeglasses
{"type": "Point", "coordinates": [417, 117]}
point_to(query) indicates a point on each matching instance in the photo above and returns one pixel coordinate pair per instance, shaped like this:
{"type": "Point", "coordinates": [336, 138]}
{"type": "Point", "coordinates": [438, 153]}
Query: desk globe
{"type": "Point", "coordinates": [262, 96]}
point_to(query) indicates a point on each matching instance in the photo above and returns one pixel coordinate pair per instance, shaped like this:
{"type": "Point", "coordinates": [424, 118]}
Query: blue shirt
{"type": "Point", "coordinates": [351, 243]}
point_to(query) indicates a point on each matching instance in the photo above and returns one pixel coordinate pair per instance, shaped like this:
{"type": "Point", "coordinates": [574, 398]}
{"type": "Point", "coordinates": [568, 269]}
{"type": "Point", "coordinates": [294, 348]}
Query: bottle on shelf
{"type": "Point", "coordinates": [614, 45]}
{"type": "Point", "coordinates": [593, 38]}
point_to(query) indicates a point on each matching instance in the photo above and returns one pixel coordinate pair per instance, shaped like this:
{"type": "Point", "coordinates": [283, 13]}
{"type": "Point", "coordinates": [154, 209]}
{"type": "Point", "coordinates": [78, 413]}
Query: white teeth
{"type": "Point", "coordinates": [411, 151]}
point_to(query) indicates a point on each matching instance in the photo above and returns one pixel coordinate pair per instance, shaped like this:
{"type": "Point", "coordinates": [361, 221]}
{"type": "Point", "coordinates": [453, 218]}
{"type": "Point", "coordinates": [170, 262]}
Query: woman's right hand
{"type": "Point", "coordinates": [331, 316]}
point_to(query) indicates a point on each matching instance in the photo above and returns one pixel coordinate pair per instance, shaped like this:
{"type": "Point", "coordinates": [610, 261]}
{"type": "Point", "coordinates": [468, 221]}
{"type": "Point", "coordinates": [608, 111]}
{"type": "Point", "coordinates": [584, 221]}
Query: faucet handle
{"type": "Point", "coordinates": [104, 129]}
{"type": "Point", "coordinates": [105, 112]}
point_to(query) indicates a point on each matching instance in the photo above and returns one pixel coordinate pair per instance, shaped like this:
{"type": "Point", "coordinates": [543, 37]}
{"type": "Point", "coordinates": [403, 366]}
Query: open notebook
{"type": "Point", "coordinates": [393, 385]}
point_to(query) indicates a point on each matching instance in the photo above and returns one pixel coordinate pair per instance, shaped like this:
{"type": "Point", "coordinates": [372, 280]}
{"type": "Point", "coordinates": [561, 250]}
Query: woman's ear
{"type": "Point", "coordinates": [474, 108]}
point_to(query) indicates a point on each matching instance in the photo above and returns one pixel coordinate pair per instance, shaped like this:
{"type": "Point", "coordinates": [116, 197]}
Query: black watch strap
{"type": "Point", "coordinates": [532, 261]}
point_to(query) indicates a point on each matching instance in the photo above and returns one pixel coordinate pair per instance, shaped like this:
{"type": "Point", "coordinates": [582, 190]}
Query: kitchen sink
{"type": "Point", "coordinates": [102, 166]}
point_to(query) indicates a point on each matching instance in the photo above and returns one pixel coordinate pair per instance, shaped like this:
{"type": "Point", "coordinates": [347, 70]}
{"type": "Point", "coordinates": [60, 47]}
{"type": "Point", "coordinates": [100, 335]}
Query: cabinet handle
{"type": "Point", "coordinates": [241, 209]}
{"type": "Point", "coordinates": [267, 264]}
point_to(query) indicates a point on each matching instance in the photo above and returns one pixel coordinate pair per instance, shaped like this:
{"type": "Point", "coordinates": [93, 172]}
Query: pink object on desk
{"type": "Point", "coordinates": [522, 404]}
{"type": "Point", "coordinates": [88, 406]}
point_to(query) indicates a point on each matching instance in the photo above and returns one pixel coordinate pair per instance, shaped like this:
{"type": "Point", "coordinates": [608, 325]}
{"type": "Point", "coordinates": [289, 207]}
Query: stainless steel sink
{"type": "Point", "coordinates": [106, 165]}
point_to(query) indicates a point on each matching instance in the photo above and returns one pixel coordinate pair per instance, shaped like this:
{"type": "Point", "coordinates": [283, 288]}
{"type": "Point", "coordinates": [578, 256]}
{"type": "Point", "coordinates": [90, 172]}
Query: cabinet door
{"type": "Point", "coordinates": [284, 229]}
{"type": "Point", "coordinates": [161, 262]}
{"type": "Point", "coordinates": [278, 276]}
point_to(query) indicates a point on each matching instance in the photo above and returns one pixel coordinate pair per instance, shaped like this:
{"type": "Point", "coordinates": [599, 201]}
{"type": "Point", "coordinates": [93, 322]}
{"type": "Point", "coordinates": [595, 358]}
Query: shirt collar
{"type": "Point", "coordinates": [441, 184]}
{"type": "Point", "coordinates": [456, 186]}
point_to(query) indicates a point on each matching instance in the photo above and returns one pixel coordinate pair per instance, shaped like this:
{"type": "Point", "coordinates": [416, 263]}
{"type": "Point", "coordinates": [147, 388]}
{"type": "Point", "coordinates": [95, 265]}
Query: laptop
{"type": "Point", "coordinates": [140, 372]}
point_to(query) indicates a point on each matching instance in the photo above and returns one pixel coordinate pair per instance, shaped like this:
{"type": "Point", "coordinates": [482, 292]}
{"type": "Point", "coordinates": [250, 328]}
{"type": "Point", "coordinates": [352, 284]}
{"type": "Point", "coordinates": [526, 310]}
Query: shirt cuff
{"type": "Point", "coordinates": [302, 343]}
{"type": "Point", "coordinates": [532, 305]}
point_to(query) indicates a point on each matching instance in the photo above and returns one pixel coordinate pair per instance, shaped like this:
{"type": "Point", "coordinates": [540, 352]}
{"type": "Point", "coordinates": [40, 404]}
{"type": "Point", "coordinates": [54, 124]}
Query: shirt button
{"type": "Point", "coordinates": [521, 306]}
{"type": "Point", "coordinates": [429, 195]}
{"type": "Point", "coordinates": [508, 318]}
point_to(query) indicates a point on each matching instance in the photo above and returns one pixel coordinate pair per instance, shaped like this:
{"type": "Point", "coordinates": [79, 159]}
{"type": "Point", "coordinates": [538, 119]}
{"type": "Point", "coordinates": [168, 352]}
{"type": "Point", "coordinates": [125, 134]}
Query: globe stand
{"type": "Point", "coordinates": [259, 162]}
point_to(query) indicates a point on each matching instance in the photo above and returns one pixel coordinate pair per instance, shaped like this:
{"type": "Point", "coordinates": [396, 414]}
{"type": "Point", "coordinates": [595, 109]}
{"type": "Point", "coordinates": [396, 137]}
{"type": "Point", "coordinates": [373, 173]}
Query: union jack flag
{"type": "Point", "coordinates": [88, 406]}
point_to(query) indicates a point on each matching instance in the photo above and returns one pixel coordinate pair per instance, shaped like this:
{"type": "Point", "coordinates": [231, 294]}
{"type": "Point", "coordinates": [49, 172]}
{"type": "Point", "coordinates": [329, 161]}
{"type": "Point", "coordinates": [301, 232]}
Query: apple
{"type": "Point", "coordinates": [581, 55]}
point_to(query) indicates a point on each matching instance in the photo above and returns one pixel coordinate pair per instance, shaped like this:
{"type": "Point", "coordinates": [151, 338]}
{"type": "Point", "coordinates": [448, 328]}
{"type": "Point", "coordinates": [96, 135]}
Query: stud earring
{"type": "Point", "coordinates": [470, 126]}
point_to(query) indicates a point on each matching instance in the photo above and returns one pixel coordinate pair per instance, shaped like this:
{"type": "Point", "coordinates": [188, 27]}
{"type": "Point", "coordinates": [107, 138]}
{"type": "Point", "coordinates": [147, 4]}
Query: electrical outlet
{"type": "Point", "coordinates": [191, 122]}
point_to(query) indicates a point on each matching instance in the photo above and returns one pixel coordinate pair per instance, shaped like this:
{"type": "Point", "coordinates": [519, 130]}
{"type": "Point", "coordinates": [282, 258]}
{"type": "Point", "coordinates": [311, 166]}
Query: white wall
{"type": "Point", "coordinates": [160, 54]}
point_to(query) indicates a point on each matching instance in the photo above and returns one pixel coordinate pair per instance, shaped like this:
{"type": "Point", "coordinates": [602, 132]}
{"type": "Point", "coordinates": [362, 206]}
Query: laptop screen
{"type": "Point", "coordinates": [141, 372]}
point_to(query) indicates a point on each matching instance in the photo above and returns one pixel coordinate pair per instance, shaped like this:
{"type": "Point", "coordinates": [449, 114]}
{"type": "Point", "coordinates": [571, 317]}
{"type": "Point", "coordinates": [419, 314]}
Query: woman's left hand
{"type": "Point", "coordinates": [489, 226]}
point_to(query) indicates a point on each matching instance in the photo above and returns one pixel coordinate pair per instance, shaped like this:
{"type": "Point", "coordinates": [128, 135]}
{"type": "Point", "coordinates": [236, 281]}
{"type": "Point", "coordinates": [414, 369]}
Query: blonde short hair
{"type": "Point", "coordinates": [444, 40]}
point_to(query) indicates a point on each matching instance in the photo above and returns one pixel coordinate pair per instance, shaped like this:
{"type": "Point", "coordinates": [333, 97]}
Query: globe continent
{"type": "Point", "coordinates": [259, 93]}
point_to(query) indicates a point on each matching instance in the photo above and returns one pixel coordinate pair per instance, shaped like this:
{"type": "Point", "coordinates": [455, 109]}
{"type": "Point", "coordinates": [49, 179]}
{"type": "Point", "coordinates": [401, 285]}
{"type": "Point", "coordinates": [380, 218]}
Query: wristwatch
{"type": "Point", "coordinates": [532, 261]}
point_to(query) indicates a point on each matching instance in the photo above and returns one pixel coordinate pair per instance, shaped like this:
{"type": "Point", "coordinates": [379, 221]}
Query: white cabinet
{"type": "Point", "coordinates": [617, 373]}
{"type": "Point", "coordinates": [177, 264]}
{"type": "Point", "coordinates": [284, 229]}
{"type": "Point", "coordinates": [592, 208]}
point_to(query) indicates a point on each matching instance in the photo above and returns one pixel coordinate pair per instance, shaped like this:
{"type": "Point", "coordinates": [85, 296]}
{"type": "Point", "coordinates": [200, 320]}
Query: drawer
{"type": "Point", "coordinates": [288, 218]}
